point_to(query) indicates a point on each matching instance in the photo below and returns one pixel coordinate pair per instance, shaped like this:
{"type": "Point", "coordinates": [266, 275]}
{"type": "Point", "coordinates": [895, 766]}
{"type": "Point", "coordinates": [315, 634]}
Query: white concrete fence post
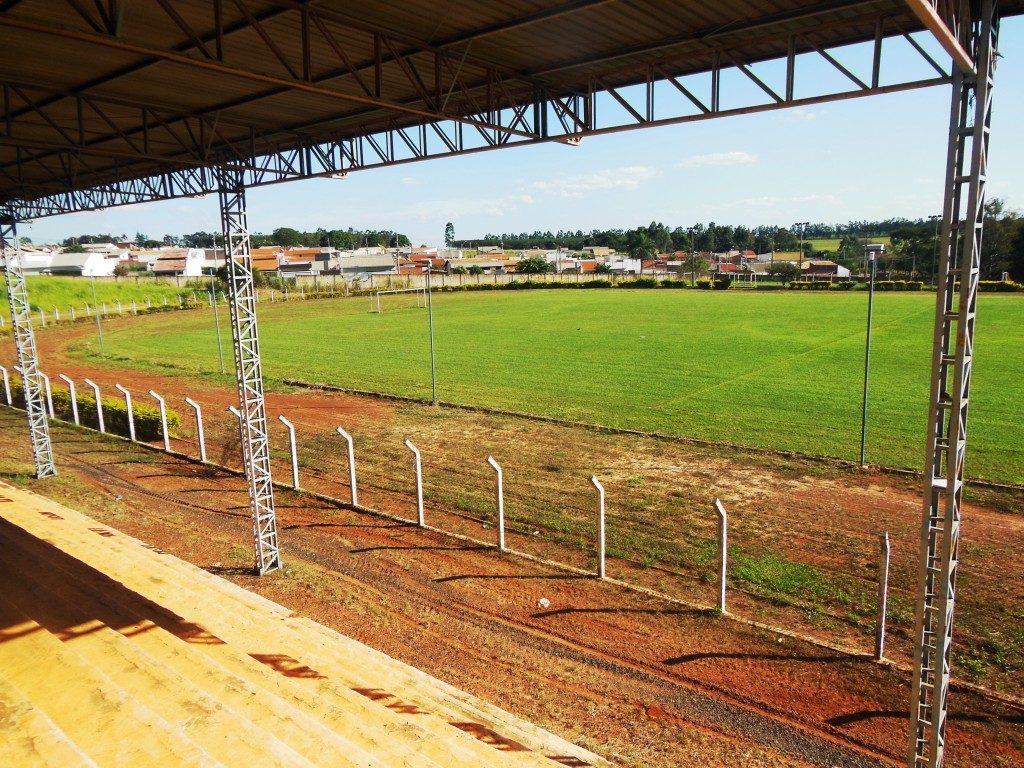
{"type": "Point", "coordinates": [163, 419]}
{"type": "Point", "coordinates": [42, 318]}
{"type": "Point", "coordinates": [883, 595]}
{"type": "Point", "coordinates": [351, 465]}
{"type": "Point", "coordinates": [56, 315]}
{"type": "Point", "coordinates": [120, 309]}
{"type": "Point", "coordinates": [499, 498]}
{"type": "Point", "coordinates": [72, 314]}
{"type": "Point", "coordinates": [200, 436]}
{"type": "Point", "coordinates": [88, 311]}
{"type": "Point", "coordinates": [128, 408]}
{"type": "Point", "coordinates": [49, 394]}
{"type": "Point", "coordinates": [600, 526]}
{"type": "Point", "coordinates": [294, 451]}
{"type": "Point", "coordinates": [74, 397]}
{"type": "Point", "coordinates": [135, 308]}
{"type": "Point", "coordinates": [7, 385]}
{"type": "Point", "coordinates": [723, 552]}
{"type": "Point", "coordinates": [419, 482]}
{"type": "Point", "coordinates": [104, 312]}
{"type": "Point", "coordinates": [99, 403]}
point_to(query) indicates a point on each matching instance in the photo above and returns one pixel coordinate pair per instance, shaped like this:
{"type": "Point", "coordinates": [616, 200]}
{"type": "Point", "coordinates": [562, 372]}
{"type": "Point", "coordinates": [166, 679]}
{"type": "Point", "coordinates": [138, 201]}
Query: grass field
{"type": "Point", "coordinates": [832, 243]}
{"type": "Point", "coordinates": [775, 370]}
{"type": "Point", "coordinates": [47, 292]}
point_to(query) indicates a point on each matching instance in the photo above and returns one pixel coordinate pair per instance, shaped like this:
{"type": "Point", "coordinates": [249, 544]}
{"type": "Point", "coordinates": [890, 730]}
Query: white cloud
{"type": "Point", "coordinates": [718, 158]}
{"type": "Point", "coordinates": [800, 114]}
{"type": "Point", "coordinates": [410, 181]}
{"type": "Point", "coordinates": [625, 179]}
{"type": "Point", "coordinates": [452, 209]}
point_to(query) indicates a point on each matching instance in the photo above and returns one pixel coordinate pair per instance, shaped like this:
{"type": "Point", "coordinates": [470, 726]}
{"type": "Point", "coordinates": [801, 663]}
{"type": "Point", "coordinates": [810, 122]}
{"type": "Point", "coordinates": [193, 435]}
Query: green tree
{"type": "Point", "coordinates": [534, 265]}
{"type": "Point", "coordinates": [287, 237]}
{"type": "Point", "coordinates": [641, 247]}
{"type": "Point", "coordinates": [784, 270]}
{"type": "Point", "coordinates": [449, 235]}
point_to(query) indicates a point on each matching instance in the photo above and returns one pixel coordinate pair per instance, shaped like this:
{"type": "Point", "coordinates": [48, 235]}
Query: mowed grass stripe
{"type": "Point", "coordinates": [776, 370]}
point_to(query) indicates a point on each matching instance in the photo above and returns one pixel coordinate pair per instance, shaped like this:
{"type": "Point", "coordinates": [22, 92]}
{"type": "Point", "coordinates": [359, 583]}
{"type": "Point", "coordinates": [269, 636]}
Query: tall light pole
{"type": "Point", "coordinates": [867, 361]}
{"type": "Point", "coordinates": [430, 322]}
{"type": "Point", "coordinates": [693, 258]}
{"type": "Point", "coordinates": [935, 251]}
{"type": "Point", "coordinates": [96, 306]}
{"type": "Point", "coordinates": [801, 224]}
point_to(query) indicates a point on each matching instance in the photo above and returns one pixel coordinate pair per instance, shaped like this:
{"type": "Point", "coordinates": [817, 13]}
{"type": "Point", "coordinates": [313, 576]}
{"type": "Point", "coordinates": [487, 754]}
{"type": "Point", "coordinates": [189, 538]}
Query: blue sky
{"type": "Point", "coordinates": [867, 158]}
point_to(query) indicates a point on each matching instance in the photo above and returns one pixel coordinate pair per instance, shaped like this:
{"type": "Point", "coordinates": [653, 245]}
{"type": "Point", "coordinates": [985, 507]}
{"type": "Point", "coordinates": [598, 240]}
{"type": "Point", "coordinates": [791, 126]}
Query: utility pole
{"type": "Point", "coordinates": [935, 249]}
{"type": "Point", "coordinates": [801, 224]}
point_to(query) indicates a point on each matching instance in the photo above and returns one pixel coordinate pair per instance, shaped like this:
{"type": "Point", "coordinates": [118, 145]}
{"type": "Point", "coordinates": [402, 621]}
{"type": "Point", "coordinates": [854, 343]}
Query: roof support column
{"type": "Point", "coordinates": [963, 217]}
{"type": "Point", "coordinates": [25, 341]}
{"type": "Point", "coordinates": [248, 367]}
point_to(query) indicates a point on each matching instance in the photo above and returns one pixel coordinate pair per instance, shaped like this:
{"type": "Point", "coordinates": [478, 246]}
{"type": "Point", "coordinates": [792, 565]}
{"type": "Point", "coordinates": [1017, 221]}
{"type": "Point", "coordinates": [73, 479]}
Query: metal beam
{"type": "Point", "coordinates": [926, 11]}
{"type": "Point", "coordinates": [248, 367]}
{"type": "Point", "coordinates": [25, 341]}
{"type": "Point", "coordinates": [217, 67]}
{"type": "Point", "coordinates": [337, 158]}
{"type": "Point", "coordinates": [963, 219]}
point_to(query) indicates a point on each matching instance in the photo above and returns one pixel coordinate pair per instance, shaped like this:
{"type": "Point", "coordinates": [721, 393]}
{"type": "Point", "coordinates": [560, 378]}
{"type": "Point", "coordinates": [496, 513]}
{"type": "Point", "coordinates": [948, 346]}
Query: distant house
{"type": "Point", "coordinates": [83, 264]}
{"type": "Point", "coordinates": [179, 262]}
{"type": "Point", "coordinates": [108, 249]}
{"type": "Point", "coordinates": [597, 250]}
{"type": "Point", "coordinates": [824, 270]}
{"type": "Point", "coordinates": [309, 261]}
{"type": "Point", "coordinates": [267, 258]}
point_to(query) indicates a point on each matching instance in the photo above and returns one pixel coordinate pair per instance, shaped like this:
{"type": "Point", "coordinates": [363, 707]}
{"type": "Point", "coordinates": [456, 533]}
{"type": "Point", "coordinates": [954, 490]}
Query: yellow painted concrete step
{"type": "Point", "coordinates": [151, 680]}
{"type": "Point", "coordinates": [28, 737]}
{"type": "Point", "coordinates": [251, 689]}
{"type": "Point", "coordinates": [39, 665]}
{"type": "Point", "coordinates": [395, 686]}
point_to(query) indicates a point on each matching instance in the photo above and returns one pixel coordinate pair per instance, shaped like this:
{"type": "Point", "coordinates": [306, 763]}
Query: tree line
{"type": "Point", "coordinates": [286, 237]}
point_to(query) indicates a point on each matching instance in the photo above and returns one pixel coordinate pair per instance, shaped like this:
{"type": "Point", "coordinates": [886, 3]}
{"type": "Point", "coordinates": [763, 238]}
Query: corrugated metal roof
{"type": "Point", "coordinates": [172, 85]}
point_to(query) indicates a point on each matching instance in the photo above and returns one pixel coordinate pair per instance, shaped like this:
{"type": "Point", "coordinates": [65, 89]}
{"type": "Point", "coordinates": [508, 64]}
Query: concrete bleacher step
{"type": "Point", "coordinates": [29, 737]}
{"type": "Point", "coordinates": [144, 738]}
{"type": "Point", "coordinates": [412, 699]}
{"type": "Point", "coordinates": [436, 742]}
{"type": "Point", "coordinates": [181, 684]}
{"type": "Point", "coordinates": [224, 685]}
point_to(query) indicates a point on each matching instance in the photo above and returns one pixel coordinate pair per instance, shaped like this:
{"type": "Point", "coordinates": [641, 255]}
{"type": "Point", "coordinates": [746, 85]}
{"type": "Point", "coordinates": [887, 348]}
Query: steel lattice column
{"type": "Point", "coordinates": [25, 341]}
{"type": "Point", "coordinates": [248, 368]}
{"type": "Point", "coordinates": [955, 312]}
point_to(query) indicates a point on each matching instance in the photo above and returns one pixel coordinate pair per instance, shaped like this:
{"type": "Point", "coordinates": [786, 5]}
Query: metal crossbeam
{"type": "Point", "coordinates": [25, 341]}
{"type": "Point", "coordinates": [952, 358]}
{"type": "Point", "coordinates": [82, 147]}
{"type": "Point", "coordinates": [248, 367]}
{"type": "Point", "coordinates": [928, 11]}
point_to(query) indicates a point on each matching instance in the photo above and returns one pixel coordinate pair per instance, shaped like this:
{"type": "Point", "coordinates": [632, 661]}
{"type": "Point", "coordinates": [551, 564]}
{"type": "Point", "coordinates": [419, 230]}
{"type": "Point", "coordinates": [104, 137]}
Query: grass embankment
{"type": "Point", "coordinates": [48, 293]}
{"type": "Point", "coordinates": [775, 370]}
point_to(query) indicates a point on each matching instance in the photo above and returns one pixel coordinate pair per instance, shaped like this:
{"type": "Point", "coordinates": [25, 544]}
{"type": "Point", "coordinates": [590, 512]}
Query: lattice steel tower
{"type": "Point", "coordinates": [953, 351]}
{"type": "Point", "coordinates": [248, 367]}
{"type": "Point", "coordinates": [25, 341]}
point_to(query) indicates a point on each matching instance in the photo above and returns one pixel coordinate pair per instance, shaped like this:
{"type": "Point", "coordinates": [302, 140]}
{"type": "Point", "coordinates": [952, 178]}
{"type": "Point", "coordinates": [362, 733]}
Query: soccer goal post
{"type": "Point", "coordinates": [401, 298]}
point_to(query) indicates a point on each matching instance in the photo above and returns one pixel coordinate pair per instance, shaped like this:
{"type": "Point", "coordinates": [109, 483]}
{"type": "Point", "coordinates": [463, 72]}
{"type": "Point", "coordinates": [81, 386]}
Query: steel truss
{"type": "Point", "coordinates": [491, 110]}
{"type": "Point", "coordinates": [25, 341]}
{"type": "Point", "coordinates": [248, 368]}
{"type": "Point", "coordinates": [952, 356]}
